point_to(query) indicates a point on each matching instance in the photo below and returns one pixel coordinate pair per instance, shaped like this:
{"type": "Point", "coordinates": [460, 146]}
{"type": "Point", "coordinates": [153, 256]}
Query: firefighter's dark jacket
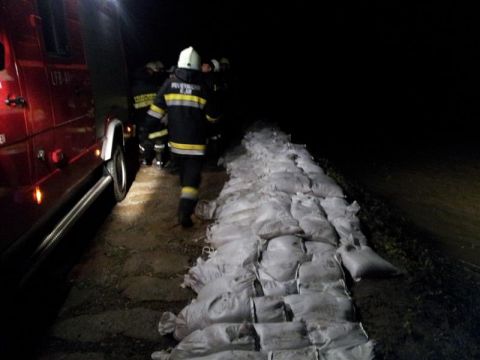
{"type": "Point", "coordinates": [190, 107]}
{"type": "Point", "coordinates": [143, 90]}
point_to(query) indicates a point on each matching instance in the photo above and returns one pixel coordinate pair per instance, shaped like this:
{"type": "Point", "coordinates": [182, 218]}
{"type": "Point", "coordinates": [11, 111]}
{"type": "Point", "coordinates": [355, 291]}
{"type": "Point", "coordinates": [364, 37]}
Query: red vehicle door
{"type": "Point", "coordinates": [48, 126]}
{"type": "Point", "coordinates": [17, 206]}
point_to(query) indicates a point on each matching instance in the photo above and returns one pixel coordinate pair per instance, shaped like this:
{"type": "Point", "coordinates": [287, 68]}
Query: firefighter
{"type": "Point", "coordinates": [211, 72]}
{"type": "Point", "coordinates": [188, 103]}
{"type": "Point", "coordinates": [157, 72]}
{"type": "Point", "coordinates": [146, 85]}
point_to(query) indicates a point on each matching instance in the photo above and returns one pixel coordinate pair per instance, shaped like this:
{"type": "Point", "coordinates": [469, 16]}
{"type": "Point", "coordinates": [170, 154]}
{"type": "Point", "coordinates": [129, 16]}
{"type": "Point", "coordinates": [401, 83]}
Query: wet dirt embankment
{"type": "Point", "coordinates": [438, 190]}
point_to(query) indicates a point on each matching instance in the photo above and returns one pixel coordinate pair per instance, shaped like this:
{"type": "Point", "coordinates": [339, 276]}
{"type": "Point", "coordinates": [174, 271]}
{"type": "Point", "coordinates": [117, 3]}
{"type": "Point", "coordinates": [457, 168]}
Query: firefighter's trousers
{"type": "Point", "coordinates": [190, 168]}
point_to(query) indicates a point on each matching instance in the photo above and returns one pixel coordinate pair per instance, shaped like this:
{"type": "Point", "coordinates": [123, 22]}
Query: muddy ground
{"type": "Point", "coordinates": [130, 260]}
{"type": "Point", "coordinates": [432, 311]}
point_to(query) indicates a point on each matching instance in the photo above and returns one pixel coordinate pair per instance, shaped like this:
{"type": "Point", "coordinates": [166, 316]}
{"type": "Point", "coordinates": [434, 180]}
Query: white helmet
{"type": "Point", "coordinates": [216, 65]}
{"type": "Point", "coordinates": [189, 59]}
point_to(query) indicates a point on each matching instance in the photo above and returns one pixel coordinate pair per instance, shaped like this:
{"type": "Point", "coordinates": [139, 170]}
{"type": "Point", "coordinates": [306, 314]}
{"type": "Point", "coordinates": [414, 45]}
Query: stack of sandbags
{"type": "Point", "coordinates": [273, 285]}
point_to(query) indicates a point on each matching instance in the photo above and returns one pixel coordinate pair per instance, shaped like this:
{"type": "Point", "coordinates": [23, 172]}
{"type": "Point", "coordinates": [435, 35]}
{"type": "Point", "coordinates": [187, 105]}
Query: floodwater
{"type": "Point", "coordinates": [436, 189]}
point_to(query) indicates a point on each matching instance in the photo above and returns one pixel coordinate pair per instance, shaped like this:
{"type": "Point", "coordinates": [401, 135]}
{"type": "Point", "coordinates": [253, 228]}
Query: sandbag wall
{"type": "Point", "coordinates": [273, 285]}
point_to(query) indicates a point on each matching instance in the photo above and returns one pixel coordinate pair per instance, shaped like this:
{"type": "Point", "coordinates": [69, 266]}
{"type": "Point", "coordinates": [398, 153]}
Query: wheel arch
{"type": "Point", "coordinates": [113, 135]}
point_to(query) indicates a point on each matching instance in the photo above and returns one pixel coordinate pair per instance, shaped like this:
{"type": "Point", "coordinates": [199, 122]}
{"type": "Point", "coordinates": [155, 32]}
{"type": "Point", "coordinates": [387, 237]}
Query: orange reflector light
{"type": "Point", "coordinates": [38, 195]}
{"type": "Point", "coordinates": [97, 152]}
{"type": "Point", "coordinates": [129, 129]}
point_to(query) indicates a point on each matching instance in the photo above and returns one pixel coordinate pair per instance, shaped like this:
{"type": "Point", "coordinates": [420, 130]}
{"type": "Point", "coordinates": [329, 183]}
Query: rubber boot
{"type": "Point", "coordinates": [185, 211]}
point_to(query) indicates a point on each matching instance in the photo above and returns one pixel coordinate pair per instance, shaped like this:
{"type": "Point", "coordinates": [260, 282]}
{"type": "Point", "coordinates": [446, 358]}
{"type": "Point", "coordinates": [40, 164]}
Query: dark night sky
{"type": "Point", "coordinates": [395, 70]}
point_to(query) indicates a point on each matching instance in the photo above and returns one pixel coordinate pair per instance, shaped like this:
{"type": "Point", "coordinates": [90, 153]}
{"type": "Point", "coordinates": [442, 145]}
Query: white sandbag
{"type": "Point", "coordinates": [274, 219]}
{"type": "Point", "coordinates": [280, 266]}
{"type": "Point", "coordinates": [272, 287]}
{"type": "Point", "coordinates": [309, 353]}
{"type": "Point", "coordinates": [348, 228]}
{"type": "Point", "coordinates": [284, 165]}
{"type": "Point", "coordinates": [282, 336]}
{"type": "Point", "coordinates": [221, 234]}
{"type": "Point", "coordinates": [289, 182]}
{"type": "Point", "coordinates": [319, 275]}
{"type": "Point", "coordinates": [320, 306]}
{"type": "Point", "coordinates": [319, 229]}
{"type": "Point", "coordinates": [243, 218]}
{"type": "Point", "coordinates": [324, 186]}
{"type": "Point", "coordinates": [359, 352]}
{"type": "Point", "coordinates": [299, 150]}
{"type": "Point", "coordinates": [332, 335]}
{"type": "Point", "coordinates": [269, 309]}
{"type": "Point", "coordinates": [225, 308]}
{"type": "Point", "coordinates": [336, 207]}
{"type": "Point", "coordinates": [241, 253]}
{"type": "Point", "coordinates": [236, 187]}
{"type": "Point", "coordinates": [242, 283]}
{"type": "Point", "coordinates": [308, 165]}
{"type": "Point", "coordinates": [206, 271]}
{"type": "Point", "coordinates": [314, 247]}
{"type": "Point", "coordinates": [362, 262]}
{"type": "Point", "coordinates": [234, 355]}
{"type": "Point", "coordinates": [215, 338]}
{"type": "Point", "coordinates": [287, 244]}
{"type": "Point", "coordinates": [238, 203]}
{"type": "Point", "coordinates": [304, 205]}
{"type": "Point", "coordinates": [283, 256]}
{"type": "Point", "coordinates": [312, 288]}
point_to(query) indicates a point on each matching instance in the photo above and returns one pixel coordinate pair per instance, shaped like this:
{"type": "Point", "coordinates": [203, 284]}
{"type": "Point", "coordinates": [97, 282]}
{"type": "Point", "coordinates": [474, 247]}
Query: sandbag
{"type": "Point", "coordinates": [241, 253]}
{"type": "Point", "coordinates": [313, 248]}
{"type": "Point", "coordinates": [274, 219]}
{"type": "Point", "coordinates": [221, 234]}
{"type": "Point", "coordinates": [287, 244]}
{"type": "Point", "coordinates": [319, 275]}
{"type": "Point", "coordinates": [206, 271]}
{"type": "Point", "coordinates": [272, 287]}
{"type": "Point", "coordinates": [324, 186]}
{"type": "Point", "coordinates": [234, 355]}
{"type": "Point", "coordinates": [332, 306]}
{"type": "Point", "coordinates": [289, 182]}
{"type": "Point", "coordinates": [319, 229]}
{"type": "Point", "coordinates": [284, 165]}
{"type": "Point", "coordinates": [362, 262]}
{"type": "Point", "coordinates": [359, 352]}
{"type": "Point", "coordinates": [349, 230]}
{"type": "Point", "coordinates": [282, 336]}
{"type": "Point", "coordinates": [241, 283]}
{"type": "Point", "coordinates": [309, 353]}
{"type": "Point", "coordinates": [333, 335]}
{"type": "Point", "coordinates": [269, 309]}
{"type": "Point", "coordinates": [238, 202]}
{"type": "Point", "coordinates": [308, 165]}
{"type": "Point", "coordinates": [283, 256]}
{"type": "Point", "coordinates": [304, 205]}
{"type": "Point", "coordinates": [215, 338]}
{"type": "Point", "coordinates": [334, 207]}
{"type": "Point", "coordinates": [224, 308]}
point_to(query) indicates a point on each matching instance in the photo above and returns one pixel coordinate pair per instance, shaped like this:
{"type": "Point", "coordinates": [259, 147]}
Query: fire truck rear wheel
{"type": "Point", "coordinates": [117, 168]}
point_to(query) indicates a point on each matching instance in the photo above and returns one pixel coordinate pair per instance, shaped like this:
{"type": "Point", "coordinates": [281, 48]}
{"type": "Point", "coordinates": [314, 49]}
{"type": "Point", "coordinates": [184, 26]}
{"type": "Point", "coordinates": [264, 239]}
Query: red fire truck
{"type": "Point", "coordinates": [63, 110]}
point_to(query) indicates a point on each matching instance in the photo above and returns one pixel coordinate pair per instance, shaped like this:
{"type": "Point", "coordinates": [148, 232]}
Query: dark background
{"type": "Point", "coordinates": [355, 74]}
